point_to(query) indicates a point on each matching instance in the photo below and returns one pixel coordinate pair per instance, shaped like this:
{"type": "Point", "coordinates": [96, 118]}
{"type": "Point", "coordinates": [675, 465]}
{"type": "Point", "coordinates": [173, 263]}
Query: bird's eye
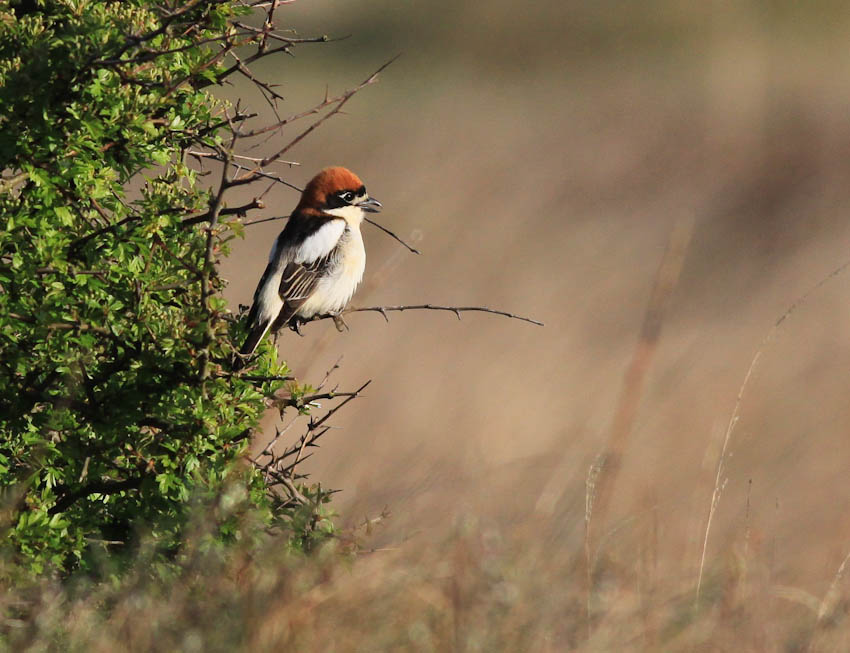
{"type": "Point", "coordinates": [347, 196]}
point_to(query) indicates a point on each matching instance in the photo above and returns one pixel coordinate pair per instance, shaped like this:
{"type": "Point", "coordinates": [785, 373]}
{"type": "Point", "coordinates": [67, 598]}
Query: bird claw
{"type": "Point", "coordinates": [339, 322]}
{"type": "Point", "coordinates": [295, 325]}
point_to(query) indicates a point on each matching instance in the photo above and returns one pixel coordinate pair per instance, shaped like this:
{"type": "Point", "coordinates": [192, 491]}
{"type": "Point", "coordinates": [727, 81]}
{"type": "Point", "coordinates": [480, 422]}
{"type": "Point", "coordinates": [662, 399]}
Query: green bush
{"type": "Point", "coordinates": [118, 410]}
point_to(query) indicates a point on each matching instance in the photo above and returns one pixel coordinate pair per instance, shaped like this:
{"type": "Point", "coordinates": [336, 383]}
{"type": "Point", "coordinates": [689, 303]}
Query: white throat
{"type": "Point", "coordinates": [353, 215]}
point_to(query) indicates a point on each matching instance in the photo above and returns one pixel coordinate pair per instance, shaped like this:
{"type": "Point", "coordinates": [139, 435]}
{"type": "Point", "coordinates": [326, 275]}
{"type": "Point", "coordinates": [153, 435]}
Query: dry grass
{"type": "Point", "coordinates": [478, 589]}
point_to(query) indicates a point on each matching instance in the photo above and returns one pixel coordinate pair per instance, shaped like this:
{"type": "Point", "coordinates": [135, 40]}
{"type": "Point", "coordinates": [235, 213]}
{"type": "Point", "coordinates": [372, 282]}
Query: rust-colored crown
{"type": "Point", "coordinates": [329, 180]}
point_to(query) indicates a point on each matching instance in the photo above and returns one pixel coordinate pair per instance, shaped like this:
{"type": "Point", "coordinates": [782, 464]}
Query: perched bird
{"type": "Point", "coordinates": [317, 260]}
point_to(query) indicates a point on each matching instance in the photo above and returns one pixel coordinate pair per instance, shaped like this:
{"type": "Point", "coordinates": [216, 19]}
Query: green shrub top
{"type": "Point", "coordinates": [116, 402]}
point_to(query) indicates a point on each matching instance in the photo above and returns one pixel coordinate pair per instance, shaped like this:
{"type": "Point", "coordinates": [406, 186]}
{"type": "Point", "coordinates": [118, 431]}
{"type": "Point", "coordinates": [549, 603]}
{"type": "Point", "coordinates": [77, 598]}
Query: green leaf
{"type": "Point", "coordinates": [64, 214]}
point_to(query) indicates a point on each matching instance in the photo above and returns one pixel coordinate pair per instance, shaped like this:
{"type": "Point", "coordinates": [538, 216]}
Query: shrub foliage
{"type": "Point", "coordinates": [117, 404]}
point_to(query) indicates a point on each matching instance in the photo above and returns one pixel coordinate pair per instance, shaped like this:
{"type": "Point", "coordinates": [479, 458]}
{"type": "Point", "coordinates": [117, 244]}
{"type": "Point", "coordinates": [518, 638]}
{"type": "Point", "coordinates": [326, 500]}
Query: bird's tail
{"type": "Point", "coordinates": [254, 336]}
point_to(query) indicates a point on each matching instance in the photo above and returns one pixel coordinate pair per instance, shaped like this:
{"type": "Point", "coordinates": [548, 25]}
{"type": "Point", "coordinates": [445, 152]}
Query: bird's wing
{"type": "Point", "coordinates": [307, 264]}
{"type": "Point", "coordinates": [297, 284]}
{"type": "Point", "coordinates": [291, 275]}
{"type": "Point", "coordinates": [264, 309]}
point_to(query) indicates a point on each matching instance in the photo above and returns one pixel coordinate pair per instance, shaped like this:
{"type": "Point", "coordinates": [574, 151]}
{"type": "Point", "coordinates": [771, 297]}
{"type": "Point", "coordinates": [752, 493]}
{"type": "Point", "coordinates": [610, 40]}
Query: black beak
{"type": "Point", "coordinates": [371, 205]}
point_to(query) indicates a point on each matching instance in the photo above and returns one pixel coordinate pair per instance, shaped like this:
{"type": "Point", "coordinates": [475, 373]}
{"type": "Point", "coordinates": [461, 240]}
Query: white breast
{"type": "Point", "coordinates": [334, 291]}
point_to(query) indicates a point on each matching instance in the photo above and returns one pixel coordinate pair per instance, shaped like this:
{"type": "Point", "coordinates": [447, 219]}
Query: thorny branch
{"type": "Point", "coordinates": [457, 310]}
{"type": "Point", "coordinates": [280, 470]}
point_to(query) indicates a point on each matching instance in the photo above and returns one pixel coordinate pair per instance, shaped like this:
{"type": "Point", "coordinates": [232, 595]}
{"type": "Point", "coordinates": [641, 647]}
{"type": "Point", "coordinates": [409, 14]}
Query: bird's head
{"type": "Point", "coordinates": [338, 191]}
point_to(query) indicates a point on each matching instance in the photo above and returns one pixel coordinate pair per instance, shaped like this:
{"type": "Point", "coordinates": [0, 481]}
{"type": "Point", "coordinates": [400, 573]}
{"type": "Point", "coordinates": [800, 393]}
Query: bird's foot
{"type": "Point", "coordinates": [295, 325]}
{"type": "Point", "coordinates": [339, 322]}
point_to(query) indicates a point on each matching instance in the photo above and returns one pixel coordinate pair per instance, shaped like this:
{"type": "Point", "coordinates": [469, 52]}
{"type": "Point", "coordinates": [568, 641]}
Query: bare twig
{"type": "Point", "coordinates": [256, 203]}
{"type": "Point", "coordinates": [267, 89]}
{"type": "Point", "coordinates": [327, 376]}
{"type": "Point", "coordinates": [313, 432]}
{"type": "Point", "coordinates": [151, 54]}
{"type": "Point", "coordinates": [457, 310]}
{"type": "Point", "coordinates": [255, 172]}
{"type": "Point", "coordinates": [261, 220]}
{"type": "Point", "coordinates": [255, 378]}
{"type": "Point", "coordinates": [390, 233]}
{"type": "Point", "coordinates": [353, 395]}
{"type": "Point", "coordinates": [308, 399]}
{"type": "Point", "coordinates": [279, 470]}
{"type": "Point", "coordinates": [267, 33]}
{"type": "Point", "coordinates": [63, 326]}
{"type": "Point", "coordinates": [268, 450]}
{"type": "Point", "coordinates": [208, 270]}
{"type": "Point", "coordinates": [337, 103]}
{"type": "Point", "coordinates": [254, 159]}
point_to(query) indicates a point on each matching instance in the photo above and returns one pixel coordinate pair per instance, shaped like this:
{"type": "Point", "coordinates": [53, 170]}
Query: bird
{"type": "Point", "coordinates": [317, 261]}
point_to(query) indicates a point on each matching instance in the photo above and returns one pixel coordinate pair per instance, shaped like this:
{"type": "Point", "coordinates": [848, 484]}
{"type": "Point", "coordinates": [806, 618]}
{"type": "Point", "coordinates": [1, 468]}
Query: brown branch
{"type": "Point", "coordinates": [269, 93]}
{"type": "Point", "coordinates": [261, 220]}
{"type": "Point", "coordinates": [268, 449]}
{"type": "Point", "coordinates": [97, 487]}
{"type": "Point", "coordinates": [266, 33]}
{"type": "Point", "coordinates": [253, 377]}
{"type": "Point", "coordinates": [339, 101]}
{"type": "Point", "coordinates": [70, 272]}
{"type": "Point", "coordinates": [158, 242]}
{"type": "Point", "coordinates": [62, 326]}
{"type": "Point", "coordinates": [335, 110]}
{"type": "Point", "coordinates": [236, 210]}
{"type": "Point", "coordinates": [307, 439]}
{"type": "Point", "coordinates": [151, 54]}
{"type": "Point", "coordinates": [77, 244]}
{"type": "Point", "coordinates": [307, 399]}
{"type": "Point", "coordinates": [78, 326]}
{"type": "Point", "coordinates": [353, 395]}
{"type": "Point", "coordinates": [262, 4]}
{"type": "Point", "coordinates": [215, 156]}
{"type": "Point", "coordinates": [255, 172]}
{"type": "Point", "coordinates": [208, 268]}
{"type": "Point", "coordinates": [457, 310]}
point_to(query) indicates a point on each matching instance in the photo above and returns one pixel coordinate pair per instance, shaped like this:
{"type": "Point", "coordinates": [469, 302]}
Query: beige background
{"type": "Point", "coordinates": [540, 155]}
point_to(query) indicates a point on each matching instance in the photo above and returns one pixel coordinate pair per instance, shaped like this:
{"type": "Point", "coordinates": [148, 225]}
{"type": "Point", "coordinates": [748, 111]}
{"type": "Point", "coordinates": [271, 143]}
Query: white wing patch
{"type": "Point", "coordinates": [269, 301]}
{"type": "Point", "coordinates": [320, 243]}
{"type": "Point", "coordinates": [267, 298]}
